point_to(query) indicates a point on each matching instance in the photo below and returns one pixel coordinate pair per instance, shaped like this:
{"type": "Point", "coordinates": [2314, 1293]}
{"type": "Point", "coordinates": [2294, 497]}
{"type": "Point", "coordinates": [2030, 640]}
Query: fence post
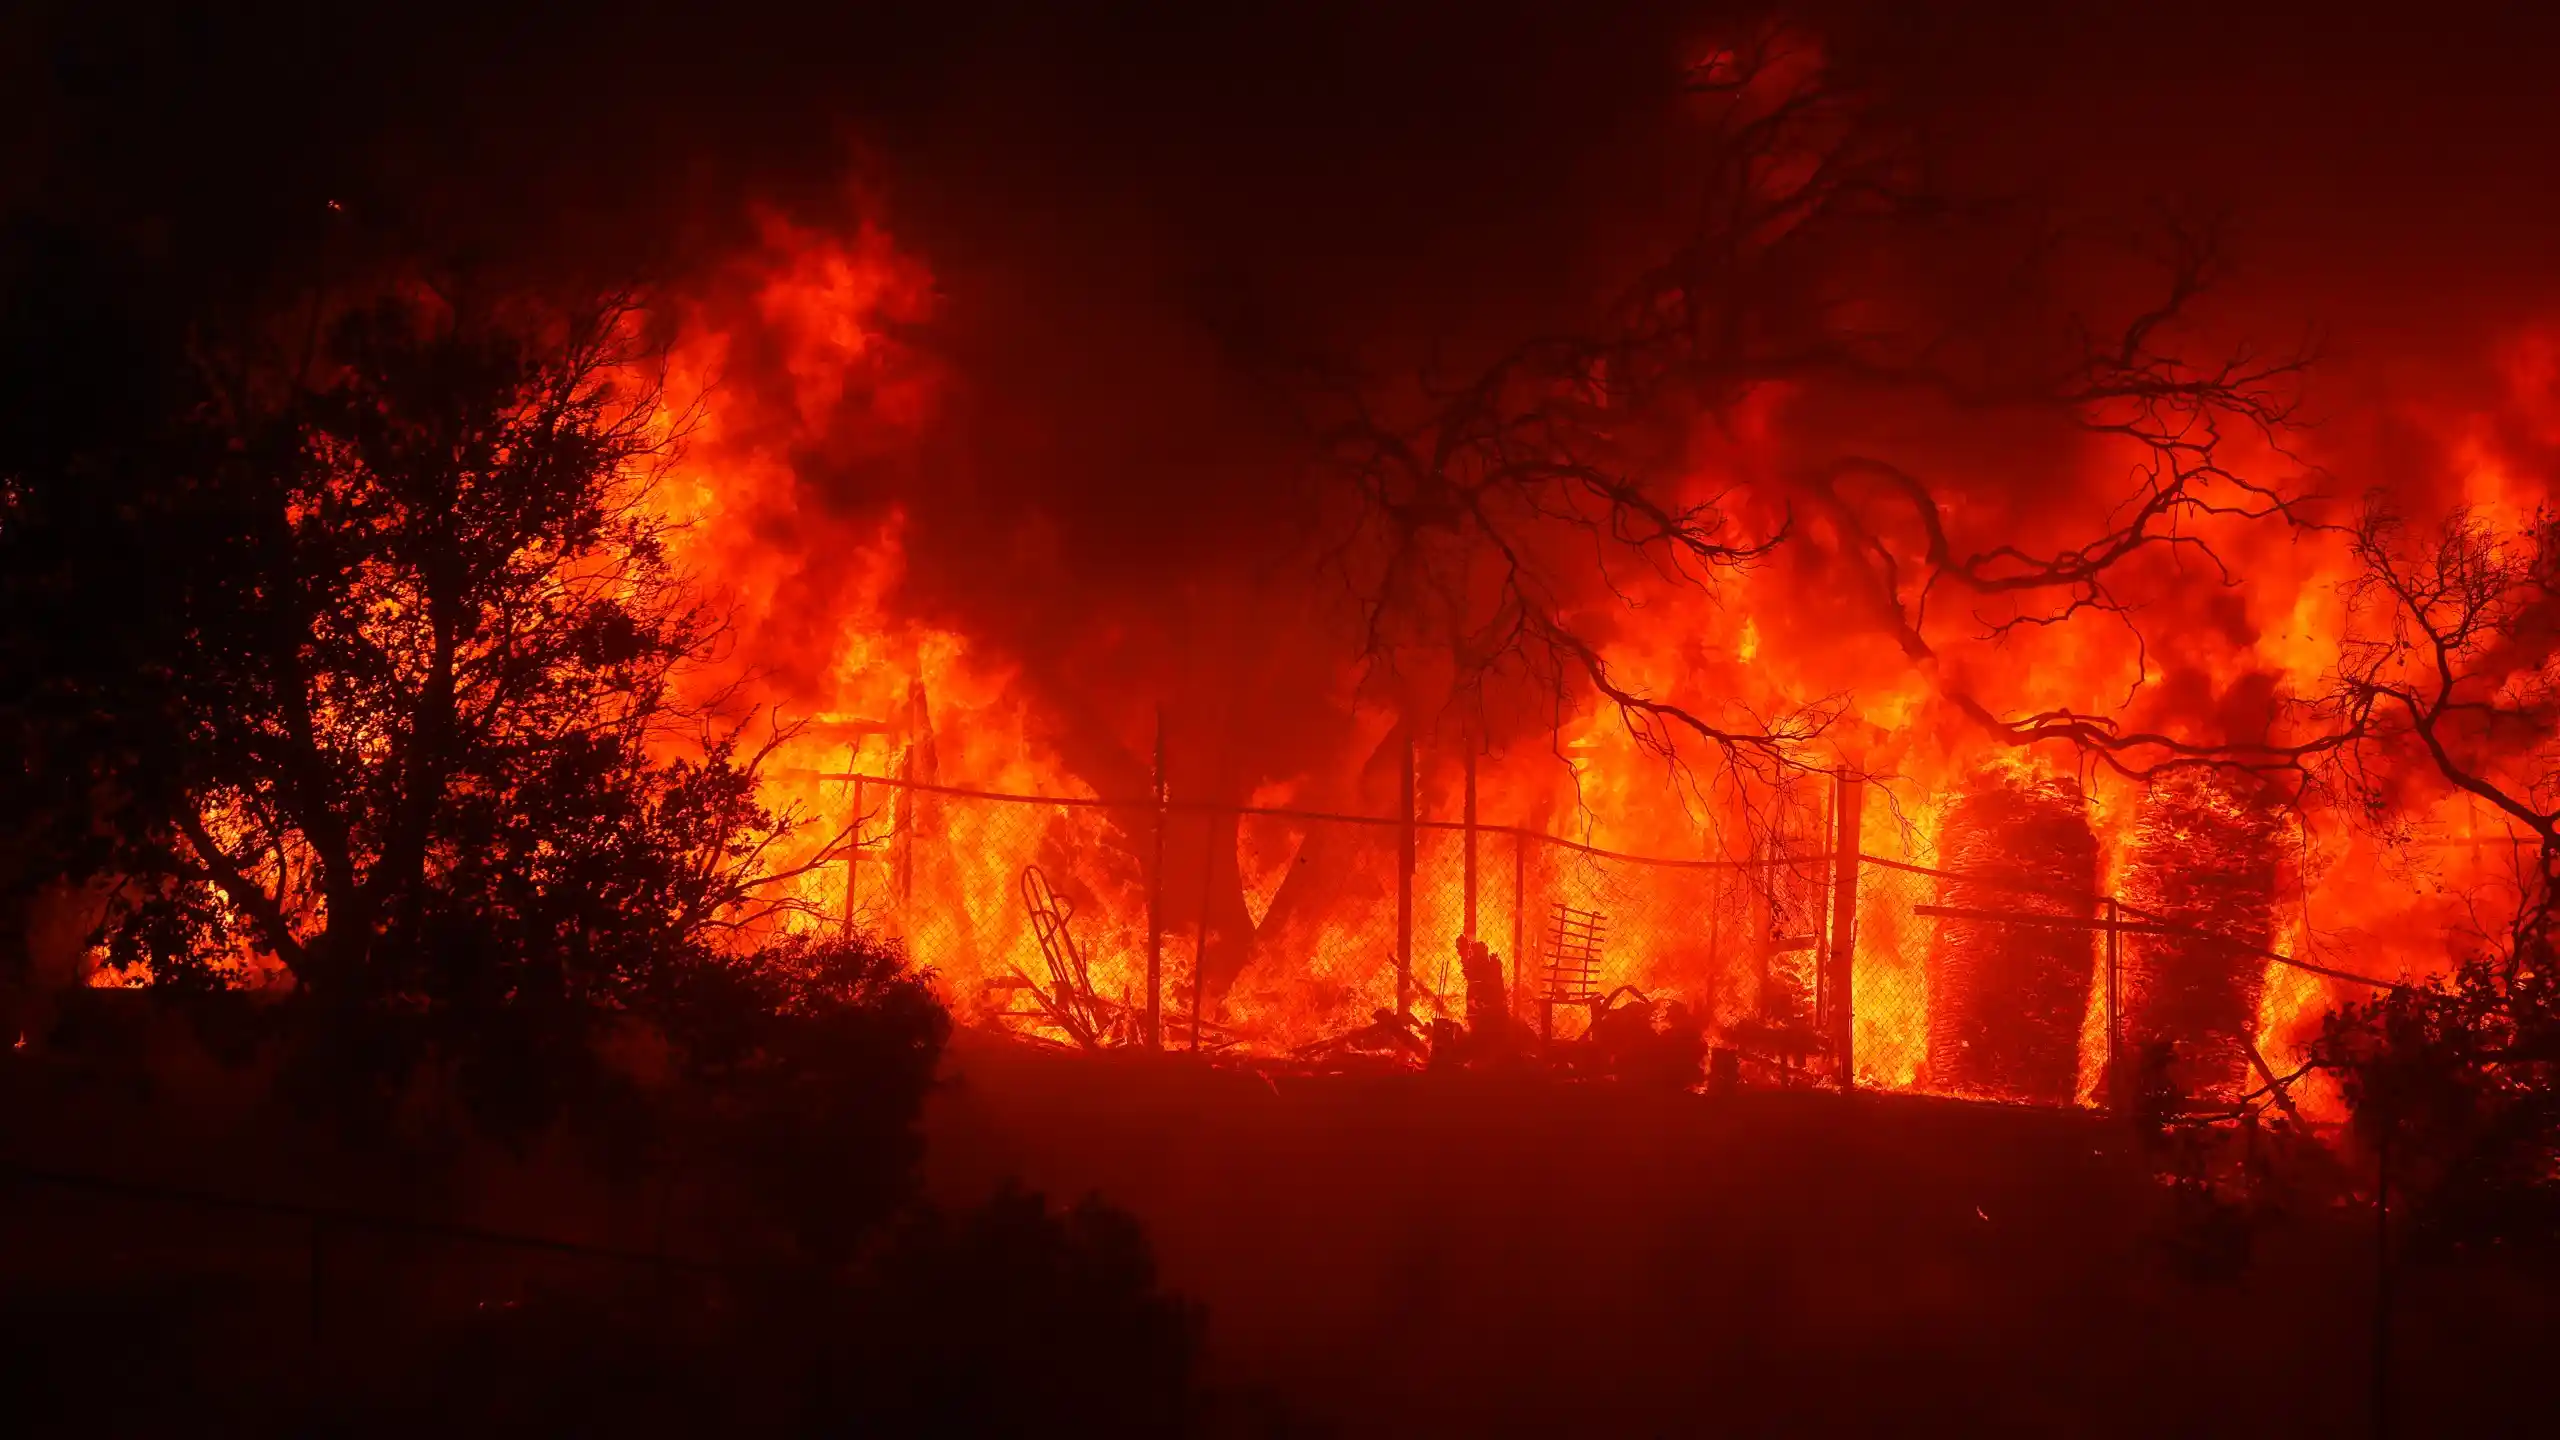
{"type": "Point", "coordinates": [1404, 884]}
{"type": "Point", "coordinates": [2115, 1057]}
{"type": "Point", "coordinates": [1519, 913]}
{"type": "Point", "coordinates": [853, 859]}
{"type": "Point", "coordinates": [1469, 924]}
{"type": "Point", "coordinates": [1195, 1005]}
{"type": "Point", "coordinates": [1200, 934]}
{"type": "Point", "coordinates": [1155, 904]}
{"type": "Point", "coordinates": [1838, 981]}
{"type": "Point", "coordinates": [902, 824]}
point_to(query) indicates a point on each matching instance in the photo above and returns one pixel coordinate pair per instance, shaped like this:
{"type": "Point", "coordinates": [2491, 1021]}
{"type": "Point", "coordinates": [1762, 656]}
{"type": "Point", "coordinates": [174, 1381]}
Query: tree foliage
{"type": "Point", "coordinates": [358, 677]}
{"type": "Point", "coordinates": [2455, 1089]}
{"type": "Point", "coordinates": [2445, 685]}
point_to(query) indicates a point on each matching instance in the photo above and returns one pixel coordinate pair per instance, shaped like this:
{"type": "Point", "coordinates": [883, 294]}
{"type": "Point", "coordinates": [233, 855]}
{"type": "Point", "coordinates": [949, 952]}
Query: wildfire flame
{"type": "Point", "coordinates": [824, 637]}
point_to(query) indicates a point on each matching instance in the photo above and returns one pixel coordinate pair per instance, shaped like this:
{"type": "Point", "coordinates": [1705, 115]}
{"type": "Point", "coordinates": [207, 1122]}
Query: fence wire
{"type": "Point", "coordinates": [1280, 932]}
{"type": "Point", "coordinates": [1970, 986]}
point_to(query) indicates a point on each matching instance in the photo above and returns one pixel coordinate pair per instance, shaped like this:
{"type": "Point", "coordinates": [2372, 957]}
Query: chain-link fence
{"type": "Point", "coordinates": [1973, 985]}
{"type": "Point", "coordinates": [1287, 932]}
{"type": "Point", "coordinates": [1969, 985]}
{"type": "Point", "coordinates": [1736, 943]}
{"type": "Point", "coordinates": [1279, 932]}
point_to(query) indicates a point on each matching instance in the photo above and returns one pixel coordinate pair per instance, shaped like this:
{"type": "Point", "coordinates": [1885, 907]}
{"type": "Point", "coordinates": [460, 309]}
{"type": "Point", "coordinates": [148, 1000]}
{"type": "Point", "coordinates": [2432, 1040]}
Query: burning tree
{"type": "Point", "coordinates": [1508, 521]}
{"type": "Point", "coordinates": [2446, 674]}
{"type": "Point", "coordinates": [2445, 671]}
{"type": "Point", "coordinates": [353, 679]}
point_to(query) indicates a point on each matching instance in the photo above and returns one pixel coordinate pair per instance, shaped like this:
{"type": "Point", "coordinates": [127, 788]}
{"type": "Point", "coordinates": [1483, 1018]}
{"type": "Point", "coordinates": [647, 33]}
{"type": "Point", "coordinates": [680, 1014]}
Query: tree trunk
{"type": "Point", "coordinates": [1327, 872]}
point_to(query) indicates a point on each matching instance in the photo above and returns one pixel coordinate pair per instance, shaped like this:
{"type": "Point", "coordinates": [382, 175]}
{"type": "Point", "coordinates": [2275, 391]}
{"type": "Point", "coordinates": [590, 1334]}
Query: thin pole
{"type": "Point", "coordinates": [1155, 903]}
{"type": "Point", "coordinates": [902, 820]}
{"type": "Point", "coordinates": [1519, 909]}
{"type": "Point", "coordinates": [853, 862]}
{"type": "Point", "coordinates": [1469, 926]}
{"type": "Point", "coordinates": [1844, 928]}
{"type": "Point", "coordinates": [2115, 1041]}
{"type": "Point", "coordinates": [1404, 885]}
{"type": "Point", "coordinates": [1200, 938]}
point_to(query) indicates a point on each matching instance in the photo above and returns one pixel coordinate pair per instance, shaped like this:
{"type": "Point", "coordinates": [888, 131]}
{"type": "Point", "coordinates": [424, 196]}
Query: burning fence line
{"type": "Point", "coordinates": [1824, 966]}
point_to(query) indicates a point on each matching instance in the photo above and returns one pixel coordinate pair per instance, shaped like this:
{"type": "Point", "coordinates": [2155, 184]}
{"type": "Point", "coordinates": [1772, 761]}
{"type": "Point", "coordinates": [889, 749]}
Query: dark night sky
{"type": "Point", "coordinates": [2405, 146]}
{"type": "Point", "coordinates": [1132, 209]}
{"type": "Point", "coordinates": [1203, 186]}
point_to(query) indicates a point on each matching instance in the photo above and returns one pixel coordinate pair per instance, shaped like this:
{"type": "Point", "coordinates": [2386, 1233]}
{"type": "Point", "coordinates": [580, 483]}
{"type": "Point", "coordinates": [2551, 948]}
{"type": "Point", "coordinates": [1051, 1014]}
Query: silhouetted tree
{"type": "Point", "coordinates": [2445, 675]}
{"type": "Point", "coordinates": [999, 1319]}
{"type": "Point", "coordinates": [2454, 1085]}
{"type": "Point", "coordinates": [811, 1059]}
{"type": "Point", "coordinates": [1496, 520]}
{"type": "Point", "coordinates": [1012, 1317]}
{"type": "Point", "coordinates": [388, 718]}
{"type": "Point", "coordinates": [92, 390]}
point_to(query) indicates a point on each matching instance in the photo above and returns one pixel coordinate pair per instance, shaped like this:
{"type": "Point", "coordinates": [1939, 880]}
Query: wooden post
{"type": "Point", "coordinates": [1404, 884]}
{"type": "Point", "coordinates": [1200, 937]}
{"type": "Point", "coordinates": [2115, 1052]}
{"type": "Point", "coordinates": [909, 811]}
{"type": "Point", "coordinates": [1840, 974]}
{"type": "Point", "coordinates": [1519, 913]}
{"type": "Point", "coordinates": [1469, 925]}
{"type": "Point", "coordinates": [1155, 902]}
{"type": "Point", "coordinates": [853, 859]}
{"type": "Point", "coordinates": [902, 820]}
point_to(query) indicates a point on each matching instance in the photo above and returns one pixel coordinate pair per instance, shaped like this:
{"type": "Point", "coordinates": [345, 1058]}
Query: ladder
{"type": "Point", "coordinates": [1574, 940]}
{"type": "Point", "coordinates": [1069, 999]}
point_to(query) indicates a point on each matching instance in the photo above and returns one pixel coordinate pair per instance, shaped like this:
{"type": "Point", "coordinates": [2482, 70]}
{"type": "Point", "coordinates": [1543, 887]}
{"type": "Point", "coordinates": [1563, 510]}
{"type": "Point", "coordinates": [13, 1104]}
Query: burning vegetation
{"type": "Point", "coordinates": [1276, 826]}
{"type": "Point", "coordinates": [2204, 861]}
{"type": "Point", "coordinates": [1850, 634]}
{"type": "Point", "coordinates": [1615, 623]}
{"type": "Point", "coordinates": [2007, 996]}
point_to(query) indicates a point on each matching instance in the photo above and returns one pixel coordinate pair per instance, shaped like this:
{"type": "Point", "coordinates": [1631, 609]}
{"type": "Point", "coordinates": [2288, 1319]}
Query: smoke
{"type": "Point", "coordinates": [1147, 237]}
{"type": "Point", "coordinates": [1144, 226]}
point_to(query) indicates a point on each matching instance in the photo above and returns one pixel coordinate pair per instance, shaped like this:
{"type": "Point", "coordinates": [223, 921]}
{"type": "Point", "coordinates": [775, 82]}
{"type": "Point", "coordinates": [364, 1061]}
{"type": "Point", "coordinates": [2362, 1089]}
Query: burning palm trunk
{"type": "Point", "coordinates": [2007, 997]}
{"type": "Point", "coordinates": [2205, 857]}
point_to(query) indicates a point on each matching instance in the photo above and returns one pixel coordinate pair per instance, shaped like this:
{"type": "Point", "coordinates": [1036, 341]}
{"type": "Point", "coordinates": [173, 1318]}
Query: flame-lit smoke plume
{"type": "Point", "coordinates": [1805, 504]}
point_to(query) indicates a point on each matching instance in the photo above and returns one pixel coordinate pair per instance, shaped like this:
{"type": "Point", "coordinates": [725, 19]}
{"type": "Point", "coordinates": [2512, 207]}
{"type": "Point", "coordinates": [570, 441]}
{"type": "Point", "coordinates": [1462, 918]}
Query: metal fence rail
{"type": "Point", "coordinates": [1279, 931]}
{"type": "Point", "coordinates": [1273, 928]}
{"type": "Point", "coordinates": [1911, 1034]}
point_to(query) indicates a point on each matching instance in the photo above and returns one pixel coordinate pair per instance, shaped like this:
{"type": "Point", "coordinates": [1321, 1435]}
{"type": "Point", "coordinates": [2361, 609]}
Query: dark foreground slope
{"type": "Point", "coordinates": [1462, 1254]}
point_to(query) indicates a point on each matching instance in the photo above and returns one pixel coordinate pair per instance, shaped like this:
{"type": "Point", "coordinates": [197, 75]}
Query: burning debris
{"type": "Point", "coordinates": [2006, 999]}
{"type": "Point", "coordinates": [2205, 856]}
{"type": "Point", "coordinates": [1068, 1002]}
{"type": "Point", "coordinates": [1490, 1034]}
{"type": "Point", "coordinates": [1388, 1035]}
{"type": "Point", "coordinates": [1647, 1042]}
{"type": "Point", "coordinates": [1488, 1005]}
{"type": "Point", "coordinates": [1574, 940]}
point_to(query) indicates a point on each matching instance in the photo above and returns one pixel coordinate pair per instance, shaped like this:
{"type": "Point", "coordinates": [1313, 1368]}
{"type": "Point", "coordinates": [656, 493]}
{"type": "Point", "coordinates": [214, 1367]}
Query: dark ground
{"type": "Point", "coordinates": [1466, 1256]}
{"type": "Point", "coordinates": [1407, 1255]}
